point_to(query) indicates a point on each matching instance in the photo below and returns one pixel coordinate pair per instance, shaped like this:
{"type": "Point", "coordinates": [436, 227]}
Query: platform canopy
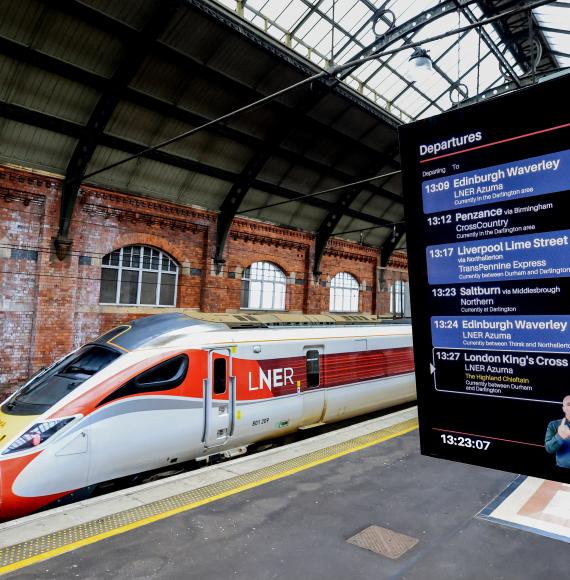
{"type": "Point", "coordinates": [85, 84]}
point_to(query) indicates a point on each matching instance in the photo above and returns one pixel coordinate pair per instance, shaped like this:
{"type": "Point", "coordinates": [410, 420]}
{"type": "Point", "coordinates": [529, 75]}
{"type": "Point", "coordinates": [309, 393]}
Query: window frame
{"type": "Point", "coordinates": [274, 283]}
{"type": "Point", "coordinates": [343, 286]}
{"type": "Point", "coordinates": [215, 384]}
{"type": "Point", "coordinates": [14, 405]}
{"type": "Point", "coordinates": [310, 352]}
{"type": "Point", "coordinates": [398, 297]}
{"type": "Point", "coordinates": [140, 270]}
{"type": "Point", "coordinates": [134, 386]}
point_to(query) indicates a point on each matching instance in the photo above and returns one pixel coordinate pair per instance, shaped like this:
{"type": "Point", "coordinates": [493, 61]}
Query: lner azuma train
{"type": "Point", "coordinates": [170, 388]}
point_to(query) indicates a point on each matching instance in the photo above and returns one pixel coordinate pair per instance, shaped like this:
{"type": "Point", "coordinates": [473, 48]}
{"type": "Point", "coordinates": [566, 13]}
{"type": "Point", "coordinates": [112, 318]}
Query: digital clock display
{"type": "Point", "coordinates": [463, 441]}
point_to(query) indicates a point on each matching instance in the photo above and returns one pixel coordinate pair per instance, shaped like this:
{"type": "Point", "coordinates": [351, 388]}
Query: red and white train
{"type": "Point", "coordinates": [170, 388]}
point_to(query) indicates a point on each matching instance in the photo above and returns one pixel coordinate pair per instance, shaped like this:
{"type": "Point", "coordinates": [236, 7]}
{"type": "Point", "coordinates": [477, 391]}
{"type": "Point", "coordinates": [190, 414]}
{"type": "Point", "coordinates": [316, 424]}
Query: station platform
{"type": "Point", "coordinates": [359, 502]}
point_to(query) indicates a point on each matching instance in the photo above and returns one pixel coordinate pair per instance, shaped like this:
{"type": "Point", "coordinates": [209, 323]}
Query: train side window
{"type": "Point", "coordinates": [167, 375]}
{"type": "Point", "coordinates": [313, 368]}
{"type": "Point", "coordinates": [219, 376]}
{"type": "Point", "coordinates": [163, 377]}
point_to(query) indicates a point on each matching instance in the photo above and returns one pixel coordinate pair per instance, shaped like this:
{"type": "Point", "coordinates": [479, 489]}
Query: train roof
{"type": "Point", "coordinates": [276, 319]}
{"type": "Point", "coordinates": [151, 329]}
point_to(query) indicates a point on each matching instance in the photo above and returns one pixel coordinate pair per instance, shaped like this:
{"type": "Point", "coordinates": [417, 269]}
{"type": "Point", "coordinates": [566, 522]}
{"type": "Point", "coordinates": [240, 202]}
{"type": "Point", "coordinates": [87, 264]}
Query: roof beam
{"type": "Point", "coordinates": [75, 130]}
{"type": "Point", "coordinates": [504, 29]}
{"type": "Point", "coordinates": [316, 202]}
{"type": "Point", "coordinates": [43, 61]}
{"type": "Point", "coordinates": [329, 224]}
{"type": "Point", "coordinates": [135, 53]}
{"type": "Point", "coordinates": [256, 143]}
{"type": "Point", "coordinates": [242, 184]}
{"type": "Point", "coordinates": [390, 244]}
{"type": "Point", "coordinates": [248, 95]}
{"type": "Point", "coordinates": [41, 120]}
{"type": "Point", "coordinates": [245, 93]}
{"type": "Point", "coordinates": [56, 66]}
{"type": "Point", "coordinates": [562, 54]}
{"type": "Point", "coordinates": [554, 30]}
{"type": "Point", "coordinates": [240, 187]}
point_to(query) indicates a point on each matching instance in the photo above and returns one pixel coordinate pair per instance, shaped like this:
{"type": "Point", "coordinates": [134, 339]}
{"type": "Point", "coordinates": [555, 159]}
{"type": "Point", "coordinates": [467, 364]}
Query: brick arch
{"type": "Point", "coordinates": [138, 239]}
{"type": "Point", "coordinates": [286, 273]}
{"type": "Point", "coordinates": [345, 271]}
{"type": "Point", "coordinates": [358, 282]}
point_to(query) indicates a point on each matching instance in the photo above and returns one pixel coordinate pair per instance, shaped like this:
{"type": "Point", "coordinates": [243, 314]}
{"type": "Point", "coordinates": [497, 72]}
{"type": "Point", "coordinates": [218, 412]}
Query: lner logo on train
{"type": "Point", "coordinates": [279, 377]}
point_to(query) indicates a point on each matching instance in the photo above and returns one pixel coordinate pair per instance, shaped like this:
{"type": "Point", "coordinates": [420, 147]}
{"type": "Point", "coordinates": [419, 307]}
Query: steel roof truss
{"type": "Point", "coordinates": [71, 129]}
{"type": "Point", "coordinates": [333, 218]}
{"type": "Point", "coordinates": [239, 189]}
{"type": "Point", "coordinates": [135, 54]}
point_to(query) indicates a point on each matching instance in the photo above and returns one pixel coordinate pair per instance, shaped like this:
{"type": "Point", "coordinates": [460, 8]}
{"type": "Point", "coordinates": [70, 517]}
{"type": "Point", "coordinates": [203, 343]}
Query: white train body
{"type": "Point", "coordinates": [167, 389]}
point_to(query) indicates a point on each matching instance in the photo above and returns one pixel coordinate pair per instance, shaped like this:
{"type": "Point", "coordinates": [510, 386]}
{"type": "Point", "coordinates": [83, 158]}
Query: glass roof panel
{"type": "Point", "coordinates": [350, 14]}
{"type": "Point", "coordinates": [556, 17]}
{"type": "Point", "coordinates": [429, 112]}
{"type": "Point", "coordinates": [290, 16]}
{"type": "Point", "coordinates": [313, 27]}
{"type": "Point", "coordinates": [339, 30]}
{"type": "Point", "coordinates": [412, 102]}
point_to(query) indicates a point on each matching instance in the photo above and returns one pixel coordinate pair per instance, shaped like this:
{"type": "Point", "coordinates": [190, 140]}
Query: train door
{"type": "Point", "coordinates": [313, 391]}
{"type": "Point", "coordinates": [219, 398]}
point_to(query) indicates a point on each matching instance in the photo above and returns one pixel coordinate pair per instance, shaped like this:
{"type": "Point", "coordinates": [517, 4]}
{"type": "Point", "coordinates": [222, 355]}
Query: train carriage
{"type": "Point", "coordinates": [170, 388]}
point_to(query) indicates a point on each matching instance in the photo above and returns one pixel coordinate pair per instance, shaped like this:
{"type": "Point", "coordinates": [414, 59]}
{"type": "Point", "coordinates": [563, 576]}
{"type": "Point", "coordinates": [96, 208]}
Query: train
{"type": "Point", "coordinates": [171, 388]}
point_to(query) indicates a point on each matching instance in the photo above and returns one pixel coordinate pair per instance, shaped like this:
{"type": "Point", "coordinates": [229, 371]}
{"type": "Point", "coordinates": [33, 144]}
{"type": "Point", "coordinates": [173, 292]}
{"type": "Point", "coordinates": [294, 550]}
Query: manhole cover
{"type": "Point", "coordinates": [383, 541]}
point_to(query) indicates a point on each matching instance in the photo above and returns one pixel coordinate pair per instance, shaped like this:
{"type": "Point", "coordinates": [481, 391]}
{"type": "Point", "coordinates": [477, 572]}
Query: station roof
{"type": "Point", "coordinates": [474, 62]}
{"type": "Point", "coordinates": [85, 84]}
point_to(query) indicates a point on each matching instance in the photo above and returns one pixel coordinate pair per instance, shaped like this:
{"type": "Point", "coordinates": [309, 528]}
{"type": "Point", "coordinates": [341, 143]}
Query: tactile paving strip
{"type": "Point", "coordinates": [52, 544]}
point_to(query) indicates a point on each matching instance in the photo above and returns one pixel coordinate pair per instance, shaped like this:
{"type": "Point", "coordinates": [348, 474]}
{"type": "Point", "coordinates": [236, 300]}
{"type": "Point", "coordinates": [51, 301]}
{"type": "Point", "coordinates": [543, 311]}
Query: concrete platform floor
{"type": "Point", "coordinates": [297, 527]}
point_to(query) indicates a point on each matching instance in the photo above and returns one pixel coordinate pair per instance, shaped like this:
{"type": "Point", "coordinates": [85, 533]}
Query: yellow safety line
{"type": "Point", "coordinates": [145, 521]}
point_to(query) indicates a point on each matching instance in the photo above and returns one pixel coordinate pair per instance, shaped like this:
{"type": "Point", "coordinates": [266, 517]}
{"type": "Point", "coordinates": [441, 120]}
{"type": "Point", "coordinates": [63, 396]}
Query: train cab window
{"type": "Point", "coordinates": [52, 384]}
{"type": "Point", "coordinates": [163, 377]}
{"type": "Point", "coordinates": [313, 368]}
{"type": "Point", "coordinates": [219, 376]}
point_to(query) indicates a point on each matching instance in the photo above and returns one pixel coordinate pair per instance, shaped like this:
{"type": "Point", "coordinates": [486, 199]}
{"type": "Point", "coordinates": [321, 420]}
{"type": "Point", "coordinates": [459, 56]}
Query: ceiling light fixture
{"type": "Point", "coordinates": [421, 65]}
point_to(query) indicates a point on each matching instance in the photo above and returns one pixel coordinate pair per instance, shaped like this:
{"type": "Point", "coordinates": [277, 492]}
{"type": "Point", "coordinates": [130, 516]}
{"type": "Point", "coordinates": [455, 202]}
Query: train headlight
{"type": "Point", "coordinates": [37, 434]}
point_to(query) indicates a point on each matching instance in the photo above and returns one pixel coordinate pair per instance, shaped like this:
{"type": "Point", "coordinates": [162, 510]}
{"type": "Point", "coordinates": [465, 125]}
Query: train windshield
{"type": "Point", "coordinates": [52, 384]}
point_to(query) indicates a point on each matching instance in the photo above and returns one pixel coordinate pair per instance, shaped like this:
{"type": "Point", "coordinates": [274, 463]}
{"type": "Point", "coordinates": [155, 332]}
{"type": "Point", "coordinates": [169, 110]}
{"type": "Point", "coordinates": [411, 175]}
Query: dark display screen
{"type": "Point", "coordinates": [487, 193]}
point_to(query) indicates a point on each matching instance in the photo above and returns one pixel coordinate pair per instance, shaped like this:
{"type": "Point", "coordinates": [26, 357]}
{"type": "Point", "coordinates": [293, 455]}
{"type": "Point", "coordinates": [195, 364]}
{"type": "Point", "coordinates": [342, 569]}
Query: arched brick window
{"type": "Point", "coordinates": [344, 293]}
{"type": "Point", "coordinates": [138, 275]}
{"type": "Point", "coordinates": [263, 287]}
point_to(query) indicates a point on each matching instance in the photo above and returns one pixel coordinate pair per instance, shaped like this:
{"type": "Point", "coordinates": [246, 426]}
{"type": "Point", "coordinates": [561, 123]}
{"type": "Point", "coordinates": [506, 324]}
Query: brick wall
{"type": "Point", "coordinates": [48, 306]}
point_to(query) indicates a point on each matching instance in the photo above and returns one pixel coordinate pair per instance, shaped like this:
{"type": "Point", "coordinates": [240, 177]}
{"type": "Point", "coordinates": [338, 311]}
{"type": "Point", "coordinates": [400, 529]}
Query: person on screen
{"type": "Point", "coordinates": [557, 438]}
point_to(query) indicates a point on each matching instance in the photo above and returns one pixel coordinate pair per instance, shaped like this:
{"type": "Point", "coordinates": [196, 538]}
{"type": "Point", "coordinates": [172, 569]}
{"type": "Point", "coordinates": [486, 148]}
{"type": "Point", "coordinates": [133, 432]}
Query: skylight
{"type": "Point", "coordinates": [335, 31]}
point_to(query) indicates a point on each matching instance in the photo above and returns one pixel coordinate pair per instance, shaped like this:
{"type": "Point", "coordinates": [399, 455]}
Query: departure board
{"type": "Point", "coordinates": [487, 196]}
